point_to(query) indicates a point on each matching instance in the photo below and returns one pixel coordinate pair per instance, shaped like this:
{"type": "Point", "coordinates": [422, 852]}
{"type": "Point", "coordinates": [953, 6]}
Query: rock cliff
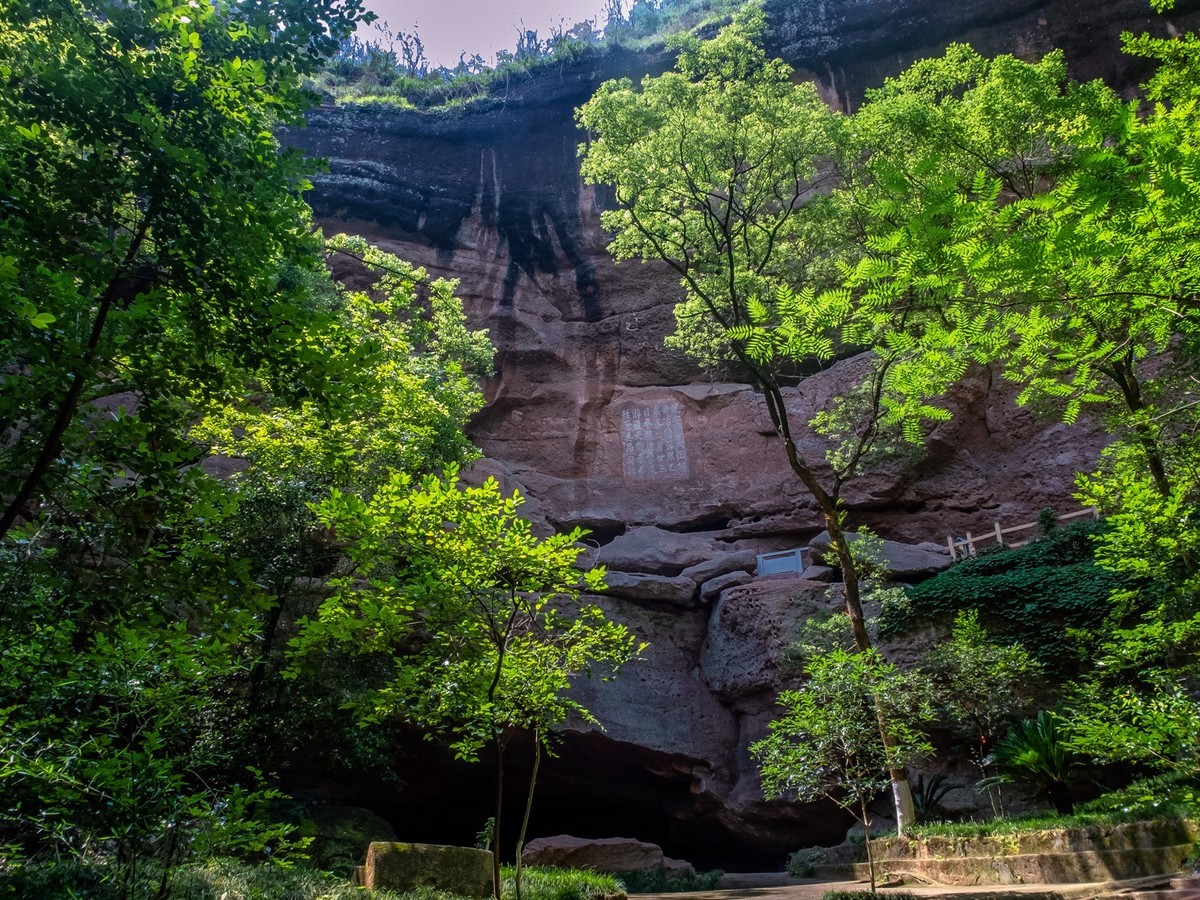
{"type": "Point", "coordinates": [673, 468]}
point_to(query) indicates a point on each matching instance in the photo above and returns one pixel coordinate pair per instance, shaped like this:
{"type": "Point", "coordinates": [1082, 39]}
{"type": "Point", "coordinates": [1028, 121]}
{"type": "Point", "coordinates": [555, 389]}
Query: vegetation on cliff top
{"type": "Point", "coordinates": [389, 67]}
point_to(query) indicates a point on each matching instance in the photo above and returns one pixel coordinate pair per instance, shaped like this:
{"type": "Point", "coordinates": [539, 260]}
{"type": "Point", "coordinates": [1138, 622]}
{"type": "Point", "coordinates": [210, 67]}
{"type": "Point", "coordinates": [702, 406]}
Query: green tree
{"type": "Point", "coordinates": [981, 685]}
{"type": "Point", "coordinates": [162, 289]}
{"type": "Point", "coordinates": [480, 619]}
{"type": "Point", "coordinates": [150, 219]}
{"type": "Point", "coordinates": [722, 170]}
{"type": "Point", "coordinates": [827, 743]}
{"type": "Point", "coordinates": [407, 386]}
{"type": "Point", "coordinates": [121, 711]}
{"type": "Point", "coordinates": [1040, 225]}
{"type": "Point", "coordinates": [1048, 228]}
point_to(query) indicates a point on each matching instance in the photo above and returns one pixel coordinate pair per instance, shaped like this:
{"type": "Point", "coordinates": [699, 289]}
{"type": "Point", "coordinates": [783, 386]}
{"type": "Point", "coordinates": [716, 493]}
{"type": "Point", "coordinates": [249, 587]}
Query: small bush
{"type": "Point", "coordinates": [803, 863]}
{"type": "Point", "coordinates": [539, 883]}
{"type": "Point", "coordinates": [56, 878]}
{"type": "Point", "coordinates": [234, 880]}
{"type": "Point", "coordinates": [663, 881]}
{"type": "Point", "coordinates": [1039, 595]}
{"type": "Point", "coordinates": [1168, 796]}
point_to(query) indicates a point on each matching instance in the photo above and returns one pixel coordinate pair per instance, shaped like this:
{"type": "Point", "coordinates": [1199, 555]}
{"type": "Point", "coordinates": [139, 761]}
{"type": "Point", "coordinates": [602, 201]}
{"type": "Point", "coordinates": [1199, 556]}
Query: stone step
{"type": "Point", "coordinates": [1028, 868]}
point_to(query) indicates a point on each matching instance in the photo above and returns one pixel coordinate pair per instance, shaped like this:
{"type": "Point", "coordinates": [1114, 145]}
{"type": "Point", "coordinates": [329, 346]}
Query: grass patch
{"type": "Point", "coordinates": [235, 880]}
{"type": "Point", "coordinates": [561, 884]}
{"type": "Point", "coordinates": [662, 881]}
{"type": "Point", "coordinates": [228, 879]}
{"type": "Point", "coordinates": [867, 895]}
{"type": "Point", "coordinates": [1171, 796]}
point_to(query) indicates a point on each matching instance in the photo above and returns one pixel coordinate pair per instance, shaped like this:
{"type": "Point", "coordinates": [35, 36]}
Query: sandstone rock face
{"type": "Point", "coordinates": [678, 473]}
{"type": "Point", "coordinates": [650, 549]}
{"type": "Point", "coordinates": [725, 564]}
{"type": "Point", "coordinates": [905, 562]}
{"type": "Point", "coordinates": [711, 590]}
{"type": "Point", "coordinates": [598, 854]}
{"type": "Point", "coordinates": [854, 44]}
{"type": "Point", "coordinates": [677, 591]}
{"type": "Point", "coordinates": [749, 628]}
{"type": "Point", "coordinates": [403, 867]}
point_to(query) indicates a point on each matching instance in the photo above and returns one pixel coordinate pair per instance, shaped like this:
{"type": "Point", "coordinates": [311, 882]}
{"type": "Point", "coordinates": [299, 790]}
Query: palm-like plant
{"type": "Point", "coordinates": [1035, 751]}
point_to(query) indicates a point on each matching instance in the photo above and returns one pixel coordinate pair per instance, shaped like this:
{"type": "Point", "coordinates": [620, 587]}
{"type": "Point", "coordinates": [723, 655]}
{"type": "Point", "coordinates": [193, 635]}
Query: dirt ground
{"type": "Point", "coordinates": [780, 886]}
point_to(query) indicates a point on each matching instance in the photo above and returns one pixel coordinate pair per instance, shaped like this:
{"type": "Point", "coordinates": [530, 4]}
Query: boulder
{"type": "Point", "coordinates": [598, 854]}
{"type": "Point", "coordinates": [819, 573]}
{"type": "Point", "coordinates": [903, 561]}
{"type": "Point", "coordinates": [724, 564]}
{"type": "Point", "coordinates": [748, 630]}
{"type": "Point", "coordinates": [405, 867]}
{"type": "Point", "coordinates": [711, 590]}
{"type": "Point", "coordinates": [678, 591]}
{"type": "Point", "coordinates": [656, 551]}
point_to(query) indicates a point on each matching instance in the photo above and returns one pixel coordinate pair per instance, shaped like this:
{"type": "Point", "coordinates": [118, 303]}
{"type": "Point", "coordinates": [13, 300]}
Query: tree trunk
{"type": "Point", "coordinates": [1126, 379]}
{"type": "Point", "coordinates": [834, 524]}
{"type": "Point", "coordinates": [1061, 799]}
{"type": "Point", "coordinates": [537, 761]}
{"type": "Point", "coordinates": [52, 445]}
{"type": "Point", "coordinates": [866, 823]}
{"type": "Point", "coordinates": [499, 744]}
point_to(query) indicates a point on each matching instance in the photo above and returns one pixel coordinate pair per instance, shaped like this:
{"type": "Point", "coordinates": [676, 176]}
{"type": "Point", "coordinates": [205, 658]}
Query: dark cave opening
{"type": "Point", "coordinates": [591, 787]}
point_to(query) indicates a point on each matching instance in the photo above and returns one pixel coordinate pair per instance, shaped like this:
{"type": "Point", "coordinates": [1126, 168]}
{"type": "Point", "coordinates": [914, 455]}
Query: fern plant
{"type": "Point", "coordinates": [1035, 751]}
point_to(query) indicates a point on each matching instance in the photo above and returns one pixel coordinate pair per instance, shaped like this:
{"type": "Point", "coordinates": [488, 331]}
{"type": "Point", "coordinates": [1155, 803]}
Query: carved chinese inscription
{"type": "Point", "coordinates": [652, 442]}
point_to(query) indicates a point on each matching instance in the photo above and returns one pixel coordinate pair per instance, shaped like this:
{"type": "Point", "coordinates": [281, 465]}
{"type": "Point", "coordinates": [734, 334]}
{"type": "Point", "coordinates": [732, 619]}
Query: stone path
{"type": "Point", "coordinates": [780, 886]}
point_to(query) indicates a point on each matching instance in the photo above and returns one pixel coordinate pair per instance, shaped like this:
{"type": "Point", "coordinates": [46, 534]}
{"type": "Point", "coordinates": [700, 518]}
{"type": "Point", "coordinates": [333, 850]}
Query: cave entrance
{"type": "Point", "coordinates": [594, 787]}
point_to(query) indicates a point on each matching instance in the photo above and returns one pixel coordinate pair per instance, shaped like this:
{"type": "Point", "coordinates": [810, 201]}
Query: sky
{"type": "Point", "coordinates": [448, 27]}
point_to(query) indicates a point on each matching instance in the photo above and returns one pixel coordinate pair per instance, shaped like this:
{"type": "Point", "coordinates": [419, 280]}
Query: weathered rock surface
{"type": "Point", "coordinates": [905, 562]}
{"type": "Point", "coordinates": [749, 628]}
{"type": "Point", "coordinates": [615, 854]}
{"type": "Point", "coordinates": [654, 550]}
{"type": "Point", "coordinates": [819, 573]}
{"type": "Point", "coordinates": [711, 590]}
{"type": "Point", "coordinates": [678, 591]}
{"type": "Point", "coordinates": [726, 563]}
{"type": "Point", "coordinates": [677, 475]}
{"type": "Point", "coordinates": [403, 867]}
{"type": "Point", "coordinates": [854, 44]}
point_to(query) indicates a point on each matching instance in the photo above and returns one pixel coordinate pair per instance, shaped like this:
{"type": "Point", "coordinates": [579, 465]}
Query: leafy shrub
{"type": "Point", "coordinates": [232, 879]}
{"type": "Point", "coordinates": [664, 881]}
{"type": "Point", "coordinates": [372, 72]}
{"type": "Point", "coordinates": [1168, 795]}
{"type": "Point", "coordinates": [57, 878]}
{"type": "Point", "coordinates": [1035, 751]}
{"type": "Point", "coordinates": [928, 794]}
{"type": "Point", "coordinates": [803, 863]}
{"type": "Point", "coordinates": [1038, 595]}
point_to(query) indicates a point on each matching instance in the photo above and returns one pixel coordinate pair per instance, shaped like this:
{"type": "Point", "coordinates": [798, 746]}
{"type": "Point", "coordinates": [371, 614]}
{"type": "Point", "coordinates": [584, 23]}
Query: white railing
{"type": "Point", "coordinates": [962, 547]}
